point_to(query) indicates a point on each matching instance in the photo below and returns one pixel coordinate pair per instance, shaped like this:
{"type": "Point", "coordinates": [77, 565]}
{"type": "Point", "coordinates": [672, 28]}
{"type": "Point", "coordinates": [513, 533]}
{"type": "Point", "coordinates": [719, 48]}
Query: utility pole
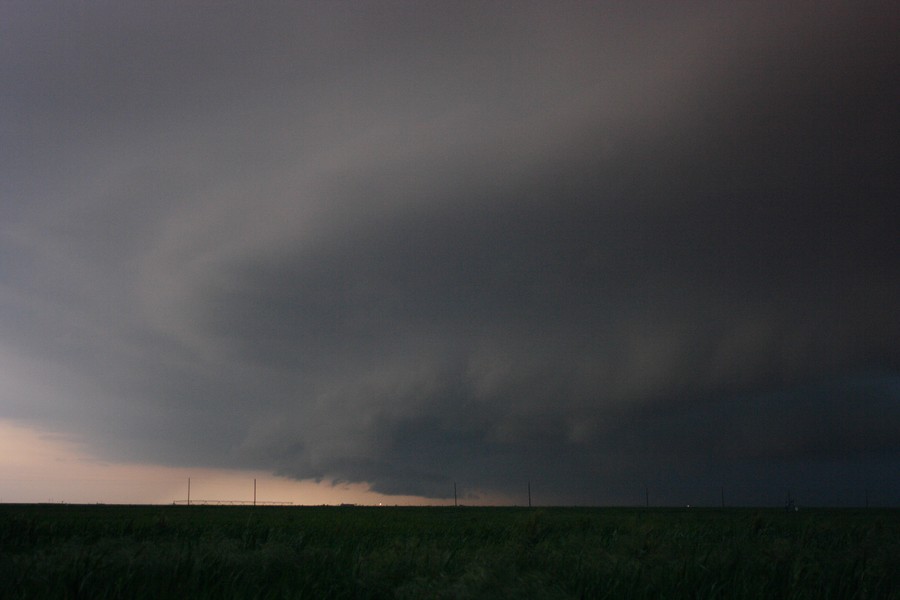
{"type": "Point", "coordinates": [529, 494]}
{"type": "Point", "coordinates": [254, 491]}
{"type": "Point", "coordinates": [723, 496]}
{"type": "Point", "coordinates": [189, 491]}
{"type": "Point", "coordinates": [455, 503]}
{"type": "Point", "coordinates": [647, 496]}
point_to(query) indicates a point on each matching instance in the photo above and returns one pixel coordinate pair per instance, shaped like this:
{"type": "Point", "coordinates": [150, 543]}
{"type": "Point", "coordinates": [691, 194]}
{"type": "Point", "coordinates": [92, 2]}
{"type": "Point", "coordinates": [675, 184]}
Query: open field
{"type": "Point", "coordinates": [77, 551]}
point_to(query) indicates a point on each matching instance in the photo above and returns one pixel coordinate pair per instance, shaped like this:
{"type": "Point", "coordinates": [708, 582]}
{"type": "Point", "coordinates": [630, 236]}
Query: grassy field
{"type": "Point", "coordinates": [72, 551]}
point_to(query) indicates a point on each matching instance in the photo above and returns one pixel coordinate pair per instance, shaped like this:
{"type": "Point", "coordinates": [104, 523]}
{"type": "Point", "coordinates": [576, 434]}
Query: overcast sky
{"type": "Point", "coordinates": [601, 247]}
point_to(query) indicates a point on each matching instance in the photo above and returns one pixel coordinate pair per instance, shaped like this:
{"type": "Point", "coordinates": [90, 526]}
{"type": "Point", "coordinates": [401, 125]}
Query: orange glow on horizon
{"type": "Point", "coordinates": [43, 467]}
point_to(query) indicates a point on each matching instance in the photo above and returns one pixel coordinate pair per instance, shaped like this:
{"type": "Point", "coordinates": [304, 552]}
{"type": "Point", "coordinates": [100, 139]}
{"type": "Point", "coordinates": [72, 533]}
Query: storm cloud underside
{"type": "Point", "coordinates": [594, 248]}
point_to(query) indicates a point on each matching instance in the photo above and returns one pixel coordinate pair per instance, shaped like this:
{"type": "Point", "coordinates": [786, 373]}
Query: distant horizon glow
{"type": "Point", "coordinates": [38, 467]}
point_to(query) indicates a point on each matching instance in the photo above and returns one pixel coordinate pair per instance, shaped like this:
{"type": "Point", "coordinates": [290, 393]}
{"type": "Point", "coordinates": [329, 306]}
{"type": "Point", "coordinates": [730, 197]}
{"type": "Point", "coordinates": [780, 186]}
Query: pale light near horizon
{"type": "Point", "coordinates": [40, 467]}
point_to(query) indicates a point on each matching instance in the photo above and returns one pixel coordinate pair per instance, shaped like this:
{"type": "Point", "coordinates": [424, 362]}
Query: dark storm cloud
{"type": "Point", "coordinates": [592, 247]}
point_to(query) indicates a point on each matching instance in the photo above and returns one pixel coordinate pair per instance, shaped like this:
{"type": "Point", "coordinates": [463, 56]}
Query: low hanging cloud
{"type": "Point", "coordinates": [596, 248]}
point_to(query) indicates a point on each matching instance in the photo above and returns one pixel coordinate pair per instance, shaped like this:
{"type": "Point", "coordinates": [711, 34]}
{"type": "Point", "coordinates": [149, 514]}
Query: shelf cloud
{"type": "Point", "coordinates": [594, 247]}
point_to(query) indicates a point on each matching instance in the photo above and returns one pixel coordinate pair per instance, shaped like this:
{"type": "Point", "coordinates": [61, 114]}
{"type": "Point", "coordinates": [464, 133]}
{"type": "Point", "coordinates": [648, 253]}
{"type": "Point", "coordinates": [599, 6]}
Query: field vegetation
{"type": "Point", "coordinates": [77, 551]}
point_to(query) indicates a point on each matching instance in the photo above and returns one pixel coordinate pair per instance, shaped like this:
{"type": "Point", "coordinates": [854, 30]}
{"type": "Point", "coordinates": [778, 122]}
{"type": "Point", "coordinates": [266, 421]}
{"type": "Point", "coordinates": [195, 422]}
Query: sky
{"type": "Point", "coordinates": [621, 252]}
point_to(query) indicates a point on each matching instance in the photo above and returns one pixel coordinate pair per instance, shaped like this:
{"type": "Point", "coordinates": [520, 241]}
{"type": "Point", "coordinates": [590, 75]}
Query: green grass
{"type": "Point", "coordinates": [71, 551]}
